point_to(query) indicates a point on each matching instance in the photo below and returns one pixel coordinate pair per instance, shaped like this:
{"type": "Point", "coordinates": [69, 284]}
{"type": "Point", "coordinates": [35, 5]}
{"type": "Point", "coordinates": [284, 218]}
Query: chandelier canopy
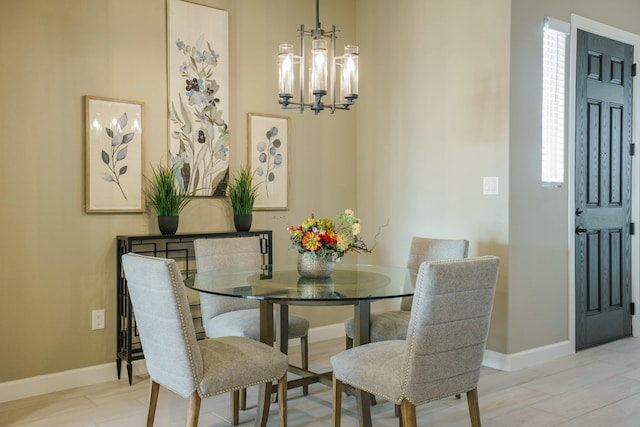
{"type": "Point", "coordinates": [327, 75]}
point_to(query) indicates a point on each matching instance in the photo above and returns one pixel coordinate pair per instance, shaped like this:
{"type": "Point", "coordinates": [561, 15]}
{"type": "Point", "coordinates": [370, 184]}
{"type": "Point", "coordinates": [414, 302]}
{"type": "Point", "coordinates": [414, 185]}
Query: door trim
{"type": "Point", "coordinates": [598, 28]}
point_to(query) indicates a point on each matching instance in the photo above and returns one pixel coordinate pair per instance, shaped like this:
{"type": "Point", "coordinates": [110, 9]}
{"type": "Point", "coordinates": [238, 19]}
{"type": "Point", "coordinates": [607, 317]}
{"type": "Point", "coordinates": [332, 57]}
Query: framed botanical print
{"type": "Point", "coordinates": [268, 150]}
{"type": "Point", "coordinates": [114, 130]}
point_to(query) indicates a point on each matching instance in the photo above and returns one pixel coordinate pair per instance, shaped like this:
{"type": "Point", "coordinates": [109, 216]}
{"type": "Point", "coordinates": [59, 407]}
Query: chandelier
{"type": "Point", "coordinates": [343, 68]}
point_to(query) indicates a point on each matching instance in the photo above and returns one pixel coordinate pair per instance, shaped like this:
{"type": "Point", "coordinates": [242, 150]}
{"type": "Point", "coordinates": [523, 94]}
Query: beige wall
{"type": "Point", "coordinates": [57, 262]}
{"type": "Point", "coordinates": [432, 123]}
{"type": "Point", "coordinates": [448, 96]}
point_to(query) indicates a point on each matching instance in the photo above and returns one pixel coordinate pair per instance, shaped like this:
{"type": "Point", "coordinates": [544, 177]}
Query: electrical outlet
{"type": "Point", "coordinates": [97, 319]}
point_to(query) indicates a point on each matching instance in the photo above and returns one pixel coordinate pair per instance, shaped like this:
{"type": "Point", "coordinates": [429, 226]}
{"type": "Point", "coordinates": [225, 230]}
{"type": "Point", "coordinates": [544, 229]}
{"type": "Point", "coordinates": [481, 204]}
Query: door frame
{"type": "Point", "coordinates": [598, 28]}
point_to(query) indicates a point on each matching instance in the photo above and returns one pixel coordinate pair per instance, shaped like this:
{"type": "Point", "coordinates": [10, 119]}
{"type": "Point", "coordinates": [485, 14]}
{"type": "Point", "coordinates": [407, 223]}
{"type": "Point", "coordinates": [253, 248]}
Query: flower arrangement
{"type": "Point", "coordinates": [328, 239]}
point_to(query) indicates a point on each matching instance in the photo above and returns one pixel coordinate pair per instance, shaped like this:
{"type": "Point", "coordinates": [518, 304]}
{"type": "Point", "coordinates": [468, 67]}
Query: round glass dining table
{"type": "Point", "coordinates": [349, 284]}
{"type": "Point", "coordinates": [355, 284]}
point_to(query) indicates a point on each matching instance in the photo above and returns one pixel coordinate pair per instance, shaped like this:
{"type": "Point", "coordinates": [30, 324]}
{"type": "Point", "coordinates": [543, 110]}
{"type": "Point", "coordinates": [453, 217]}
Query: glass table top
{"type": "Point", "coordinates": [349, 282]}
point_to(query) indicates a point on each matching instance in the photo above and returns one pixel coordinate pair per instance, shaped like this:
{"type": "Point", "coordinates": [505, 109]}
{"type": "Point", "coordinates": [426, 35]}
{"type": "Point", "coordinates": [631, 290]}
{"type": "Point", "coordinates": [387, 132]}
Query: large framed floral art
{"type": "Point", "coordinates": [113, 155]}
{"type": "Point", "coordinates": [198, 73]}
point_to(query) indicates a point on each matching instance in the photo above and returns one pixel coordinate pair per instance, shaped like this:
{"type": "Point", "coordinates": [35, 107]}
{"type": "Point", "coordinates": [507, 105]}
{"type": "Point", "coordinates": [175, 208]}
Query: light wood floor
{"type": "Point", "coordinates": [593, 388]}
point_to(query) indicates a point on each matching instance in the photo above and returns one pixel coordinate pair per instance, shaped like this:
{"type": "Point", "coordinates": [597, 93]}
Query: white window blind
{"type": "Point", "coordinates": [553, 101]}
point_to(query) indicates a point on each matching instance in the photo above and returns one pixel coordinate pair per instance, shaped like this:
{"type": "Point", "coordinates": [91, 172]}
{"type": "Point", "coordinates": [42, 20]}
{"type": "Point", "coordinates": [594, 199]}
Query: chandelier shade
{"type": "Point", "coordinates": [332, 81]}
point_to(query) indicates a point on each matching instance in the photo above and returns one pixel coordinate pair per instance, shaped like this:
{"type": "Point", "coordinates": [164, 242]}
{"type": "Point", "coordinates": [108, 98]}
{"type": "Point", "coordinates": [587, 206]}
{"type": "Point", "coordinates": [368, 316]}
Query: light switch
{"type": "Point", "coordinates": [490, 185]}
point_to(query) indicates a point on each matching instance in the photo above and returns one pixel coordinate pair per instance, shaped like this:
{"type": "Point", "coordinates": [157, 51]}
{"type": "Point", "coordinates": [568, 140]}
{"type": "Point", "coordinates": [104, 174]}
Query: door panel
{"type": "Point", "coordinates": [603, 189]}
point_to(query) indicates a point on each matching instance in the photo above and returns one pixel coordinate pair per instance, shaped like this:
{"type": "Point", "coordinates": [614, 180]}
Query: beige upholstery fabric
{"type": "Point", "coordinates": [385, 325]}
{"type": "Point", "coordinates": [246, 323]}
{"type": "Point", "coordinates": [392, 324]}
{"type": "Point", "coordinates": [447, 333]}
{"type": "Point", "coordinates": [214, 254]}
{"type": "Point", "coordinates": [232, 363]}
{"type": "Point", "coordinates": [227, 316]}
{"type": "Point", "coordinates": [426, 249]}
{"type": "Point", "coordinates": [174, 358]}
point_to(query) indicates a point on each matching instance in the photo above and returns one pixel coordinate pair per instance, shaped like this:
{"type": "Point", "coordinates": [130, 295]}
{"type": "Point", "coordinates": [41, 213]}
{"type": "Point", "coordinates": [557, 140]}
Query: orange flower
{"type": "Point", "coordinates": [311, 241]}
{"type": "Point", "coordinates": [329, 237]}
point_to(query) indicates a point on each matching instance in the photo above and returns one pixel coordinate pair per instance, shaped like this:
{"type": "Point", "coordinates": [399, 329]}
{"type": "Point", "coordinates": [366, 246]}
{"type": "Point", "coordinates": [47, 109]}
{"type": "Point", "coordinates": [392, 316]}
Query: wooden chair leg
{"type": "Point", "coordinates": [397, 411]}
{"type": "Point", "coordinates": [264, 401]}
{"type": "Point", "coordinates": [235, 412]}
{"type": "Point", "coordinates": [282, 400]}
{"type": "Point", "coordinates": [304, 350]}
{"type": "Point", "coordinates": [407, 414]}
{"type": "Point", "coordinates": [348, 342]}
{"type": "Point", "coordinates": [193, 410]}
{"type": "Point", "coordinates": [243, 398]}
{"type": "Point", "coordinates": [363, 407]}
{"type": "Point", "coordinates": [154, 388]}
{"type": "Point", "coordinates": [474, 407]}
{"type": "Point", "coordinates": [337, 401]}
{"type": "Point", "coordinates": [458, 396]}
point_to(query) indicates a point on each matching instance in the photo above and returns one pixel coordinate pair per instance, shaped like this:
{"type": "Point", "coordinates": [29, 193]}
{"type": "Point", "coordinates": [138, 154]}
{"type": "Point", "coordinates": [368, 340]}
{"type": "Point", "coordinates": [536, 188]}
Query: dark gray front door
{"type": "Point", "coordinates": [603, 189]}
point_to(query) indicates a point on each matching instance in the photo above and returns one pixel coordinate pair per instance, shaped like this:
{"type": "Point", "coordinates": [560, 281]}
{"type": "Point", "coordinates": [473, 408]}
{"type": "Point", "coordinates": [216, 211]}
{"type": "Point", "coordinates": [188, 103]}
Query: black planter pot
{"type": "Point", "coordinates": [168, 225]}
{"type": "Point", "coordinates": [242, 222]}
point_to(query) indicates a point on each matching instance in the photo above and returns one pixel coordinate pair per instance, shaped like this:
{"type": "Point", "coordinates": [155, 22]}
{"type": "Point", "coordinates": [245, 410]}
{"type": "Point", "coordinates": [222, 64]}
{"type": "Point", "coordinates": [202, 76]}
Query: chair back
{"type": "Point", "coordinates": [164, 322]}
{"type": "Point", "coordinates": [448, 327]}
{"type": "Point", "coordinates": [231, 252]}
{"type": "Point", "coordinates": [426, 249]}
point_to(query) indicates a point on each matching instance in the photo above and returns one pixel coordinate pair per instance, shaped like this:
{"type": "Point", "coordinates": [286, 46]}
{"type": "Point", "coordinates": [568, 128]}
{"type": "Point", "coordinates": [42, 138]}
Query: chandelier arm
{"type": "Point", "coordinates": [333, 69]}
{"type": "Point", "coordinates": [301, 68]}
{"type": "Point", "coordinates": [317, 14]}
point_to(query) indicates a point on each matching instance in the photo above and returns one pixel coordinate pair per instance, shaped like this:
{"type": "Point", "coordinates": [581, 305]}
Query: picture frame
{"type": "Point", "coordinates": [114, 155]}
{"type": "Point", "coordinates": [268, 158]}
{"type": "Point", "coordinates": [198, 91]}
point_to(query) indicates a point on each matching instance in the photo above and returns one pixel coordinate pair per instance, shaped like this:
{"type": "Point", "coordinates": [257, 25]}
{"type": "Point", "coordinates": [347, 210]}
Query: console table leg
{"type": "Point", "coordinates": [118, 365]}
{"type": "Point", "coordinates": [130, 372]}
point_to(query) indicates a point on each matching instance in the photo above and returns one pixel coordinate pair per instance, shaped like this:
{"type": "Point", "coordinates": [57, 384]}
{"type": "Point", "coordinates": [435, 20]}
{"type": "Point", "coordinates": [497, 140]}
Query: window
{"type": "Point", "coordinates": [553, 101]}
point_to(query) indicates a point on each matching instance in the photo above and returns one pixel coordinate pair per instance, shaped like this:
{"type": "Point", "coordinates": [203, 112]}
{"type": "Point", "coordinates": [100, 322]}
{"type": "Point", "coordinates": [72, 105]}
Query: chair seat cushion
{"type": "Point", "coordinates": [232, 363]}
{"type": "Point", "coordinates": [375, 368]}
{"type": "Point", "coordinates": [386, 325]}
{"type": "Point", "coordinates": [246, 323]}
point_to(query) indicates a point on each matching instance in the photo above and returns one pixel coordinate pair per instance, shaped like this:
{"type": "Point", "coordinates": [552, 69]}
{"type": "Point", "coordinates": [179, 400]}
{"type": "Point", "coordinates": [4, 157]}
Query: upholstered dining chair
{"type": "Point", "coordinates": [190, 368]}
{"type": "Point", "coordinates": [442, 354]}
{"type": "Point", "coordinates": [227, 316]}
{"type": "Point", "coordinates": [392, 324]}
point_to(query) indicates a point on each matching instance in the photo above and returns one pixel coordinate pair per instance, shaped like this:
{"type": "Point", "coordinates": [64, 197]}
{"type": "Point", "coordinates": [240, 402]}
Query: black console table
{"type": "Point", "coordinates": [180, 248]}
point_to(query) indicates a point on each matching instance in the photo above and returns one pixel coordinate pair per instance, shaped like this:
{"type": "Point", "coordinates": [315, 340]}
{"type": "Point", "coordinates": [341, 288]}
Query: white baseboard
{"type": "Point", "coordinates": [527, 358]}
{"type": "Point", "coordinates": [42, 384]}
{"type": "Point", "coordinates": [33, 386]}
{"type": "Point", "coordinates": [50, 383]}
{"type": "Point", "coordinates": [322, 333]}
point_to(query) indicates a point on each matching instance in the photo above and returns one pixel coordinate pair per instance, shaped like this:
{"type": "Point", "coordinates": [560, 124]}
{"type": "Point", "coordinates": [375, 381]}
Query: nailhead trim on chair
{"type": "Point", "coordinates": [411, 343]}
{"type": "Point", "coordinates": [174, 284]}
{"type": "Point", "coordinates": [184, 329]}
{"type": "Point", "coordinates": [410, 337]}
{"type": "Point", "coordinates": [239, 388]}
{"type": "Point", "coordinates": [406, 378]}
